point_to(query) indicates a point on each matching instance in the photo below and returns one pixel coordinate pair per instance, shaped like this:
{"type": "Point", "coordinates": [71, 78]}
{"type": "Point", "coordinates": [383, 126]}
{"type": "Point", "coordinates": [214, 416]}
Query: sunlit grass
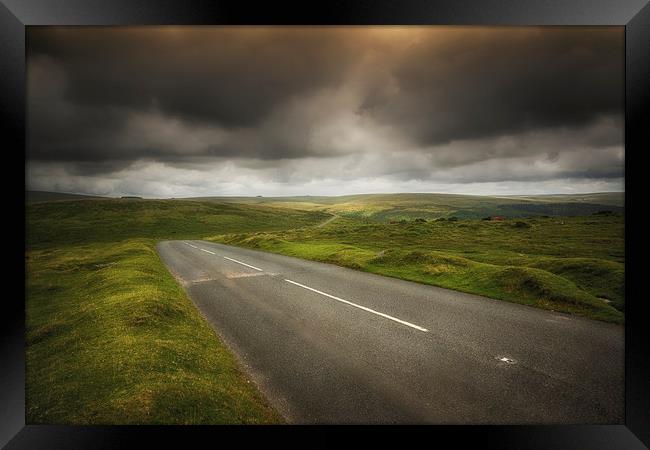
{"type": "Point", "coordinates": [569, 264]}
{"type": "Point", "coordinates": [111, 336]}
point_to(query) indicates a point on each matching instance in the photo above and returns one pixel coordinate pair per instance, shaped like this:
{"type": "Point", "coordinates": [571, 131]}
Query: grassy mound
{"type": "Point", "coordinates": [572, 265]}
{"type": "Point", "coordinates": [601, 278]}
{"type": "Point", "coordinates": [112, 339]}
{"type": "Point", "coordinates": [525, 285]}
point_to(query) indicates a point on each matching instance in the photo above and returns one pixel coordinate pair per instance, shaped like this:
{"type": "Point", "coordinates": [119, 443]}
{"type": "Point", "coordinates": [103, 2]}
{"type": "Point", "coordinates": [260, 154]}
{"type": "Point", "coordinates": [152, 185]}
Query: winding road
{"type": "Point", "coordinates": [328, 344]}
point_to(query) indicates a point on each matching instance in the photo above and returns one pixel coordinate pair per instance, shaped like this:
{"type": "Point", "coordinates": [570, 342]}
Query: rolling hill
{"type": "Point", "coordinates": [386, 207]}
{"type": "Point", "coordinates": [46, 196]}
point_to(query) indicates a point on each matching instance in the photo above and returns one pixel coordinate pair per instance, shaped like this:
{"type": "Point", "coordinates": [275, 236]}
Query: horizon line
{"type": "Point", "coordinates": [321, 195]}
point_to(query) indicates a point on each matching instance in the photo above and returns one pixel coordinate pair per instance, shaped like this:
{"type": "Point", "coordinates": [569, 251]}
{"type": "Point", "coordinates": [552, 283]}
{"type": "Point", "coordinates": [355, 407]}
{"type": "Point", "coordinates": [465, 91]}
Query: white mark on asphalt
{"type": "Point", "coordinates": [207, 251]}
{"type": "Point", "coordinates": [505, 359]}
{"type": "Point", "coordinates": [244, 275]}
{"type": "Point", "coordinates": [243, 263]}
{"type": "Point", "coordinates": [193, 246]}
{"type": "Point", "coordinates": [395, 319]}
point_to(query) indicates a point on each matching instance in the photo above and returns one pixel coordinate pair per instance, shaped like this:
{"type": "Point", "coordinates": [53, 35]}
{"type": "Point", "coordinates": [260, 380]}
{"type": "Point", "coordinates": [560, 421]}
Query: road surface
{"type": "Point", "coordinates": [328, 344]}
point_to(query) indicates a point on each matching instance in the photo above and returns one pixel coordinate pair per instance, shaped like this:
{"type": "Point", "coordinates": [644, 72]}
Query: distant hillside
{"type": "Point", "coordinates": [45, 196]}
{"type": "Point", "coordinates": [384, 207]}
{"type": "Point", "coordinates": [602, 198]}
{"type": "Point", "coordinates": [115, 219]}
{"type": "Point", "coordinates": [387, 207]}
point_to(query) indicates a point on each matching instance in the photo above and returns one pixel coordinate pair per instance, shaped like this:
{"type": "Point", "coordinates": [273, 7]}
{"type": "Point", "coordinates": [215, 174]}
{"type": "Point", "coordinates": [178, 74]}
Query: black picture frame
{"type": "Point", "coordinates": [15, 15]}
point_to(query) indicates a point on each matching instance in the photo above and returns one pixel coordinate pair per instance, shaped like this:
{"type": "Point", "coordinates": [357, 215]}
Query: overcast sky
{"type": "Point", "coordinates": [198, 111]}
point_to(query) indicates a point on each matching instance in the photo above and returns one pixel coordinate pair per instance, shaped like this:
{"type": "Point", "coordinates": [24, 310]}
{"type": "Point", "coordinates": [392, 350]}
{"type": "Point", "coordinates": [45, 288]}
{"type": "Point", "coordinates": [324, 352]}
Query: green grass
{"type": "Point", "coordinates": [387, 207]}
{"type": "Point", "coordinates": [568, 264]}
{"type": "Point", "coordinates": [111, 337]}
{"type": "Point", "coordinates": [113, 220]}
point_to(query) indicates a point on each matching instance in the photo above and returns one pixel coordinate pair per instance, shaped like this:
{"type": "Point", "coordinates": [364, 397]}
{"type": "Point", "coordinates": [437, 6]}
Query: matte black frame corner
{"type": "Point", "coordinates": [15, 15]}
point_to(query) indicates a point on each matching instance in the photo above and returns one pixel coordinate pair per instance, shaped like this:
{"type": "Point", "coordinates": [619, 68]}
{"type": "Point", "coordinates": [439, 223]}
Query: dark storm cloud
{"type": "Point", "coordinates": [474, 82]}
{"type": "Point", "coordinates": [297, 106]}
{"type": "Point", "coordinates": [231, 76]}
{"type": "Point", "coordinates": [220, 78]}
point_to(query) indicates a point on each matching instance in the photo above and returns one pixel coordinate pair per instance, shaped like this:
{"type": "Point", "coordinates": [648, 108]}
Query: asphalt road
{"type": "Point", "coordinates": [328, 344]}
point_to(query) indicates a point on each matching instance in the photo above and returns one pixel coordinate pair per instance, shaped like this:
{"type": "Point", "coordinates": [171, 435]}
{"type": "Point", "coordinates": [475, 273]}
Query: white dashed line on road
{"type": "Point", "coordinates": [243, 263]}
{"type": "Point", "coordinates": [386, 316]}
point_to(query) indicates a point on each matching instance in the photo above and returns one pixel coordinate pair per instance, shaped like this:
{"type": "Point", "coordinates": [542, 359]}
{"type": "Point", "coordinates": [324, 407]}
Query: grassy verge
{"type": "Point", "coordinates": [111, 336]}
{"type": "Point", "coordinates": [573, 265]}
{"type": "Point", "coordinates": [112, 339]}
